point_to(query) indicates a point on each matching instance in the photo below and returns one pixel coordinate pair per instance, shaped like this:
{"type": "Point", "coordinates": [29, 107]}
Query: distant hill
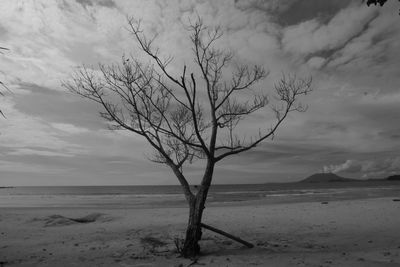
{"type": "Point", "coordinates": [393, 178]}
{"type": "Point", "coordinates": [326, 178]}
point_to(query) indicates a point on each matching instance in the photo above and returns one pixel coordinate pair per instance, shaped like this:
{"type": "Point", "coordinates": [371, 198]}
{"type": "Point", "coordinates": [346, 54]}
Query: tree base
{"type": "Point", "coordinates": [191, 247]}
{"type": "Point", "coordinates": [190, 252]}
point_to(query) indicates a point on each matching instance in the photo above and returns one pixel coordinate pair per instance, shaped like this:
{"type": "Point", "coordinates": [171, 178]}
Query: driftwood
{"type": "Point", "coordinates": [237, 239]}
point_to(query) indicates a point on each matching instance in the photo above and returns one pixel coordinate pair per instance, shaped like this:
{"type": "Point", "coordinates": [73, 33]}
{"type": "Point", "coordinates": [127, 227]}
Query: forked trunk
{"type": "Point", "coordinates": [191, 247]}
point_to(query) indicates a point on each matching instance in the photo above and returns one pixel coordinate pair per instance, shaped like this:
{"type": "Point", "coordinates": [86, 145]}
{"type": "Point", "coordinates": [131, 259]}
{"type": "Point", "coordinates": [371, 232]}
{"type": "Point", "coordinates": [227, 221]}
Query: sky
{"type": "Point", "coordinates": [53, 137]}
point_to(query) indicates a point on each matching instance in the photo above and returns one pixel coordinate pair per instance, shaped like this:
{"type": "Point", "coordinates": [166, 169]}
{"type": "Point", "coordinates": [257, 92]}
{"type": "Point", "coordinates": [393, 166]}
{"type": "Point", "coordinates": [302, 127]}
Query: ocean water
{"type": "Point", "coordinates": [171, 195]}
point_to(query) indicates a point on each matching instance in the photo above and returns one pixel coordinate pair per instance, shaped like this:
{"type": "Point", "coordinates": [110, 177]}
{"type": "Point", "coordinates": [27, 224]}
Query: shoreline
{"type": "Point", "coordinates": [215, 199]}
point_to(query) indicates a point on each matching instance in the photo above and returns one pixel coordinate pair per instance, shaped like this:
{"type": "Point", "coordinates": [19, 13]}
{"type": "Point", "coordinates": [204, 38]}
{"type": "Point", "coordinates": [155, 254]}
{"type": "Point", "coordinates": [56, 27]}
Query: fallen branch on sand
{"type": "Point", "coordinates": [237, 239]}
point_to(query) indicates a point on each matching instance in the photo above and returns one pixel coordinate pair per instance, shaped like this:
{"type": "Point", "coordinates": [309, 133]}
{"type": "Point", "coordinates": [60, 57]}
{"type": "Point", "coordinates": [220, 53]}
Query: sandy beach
{"type": "Point", "coordinates": [357, 232]}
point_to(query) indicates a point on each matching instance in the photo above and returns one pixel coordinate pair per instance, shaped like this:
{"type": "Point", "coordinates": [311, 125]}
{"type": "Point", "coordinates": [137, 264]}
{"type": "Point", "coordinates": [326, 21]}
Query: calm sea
{"type": "Point", "coordinates": [172, 194]}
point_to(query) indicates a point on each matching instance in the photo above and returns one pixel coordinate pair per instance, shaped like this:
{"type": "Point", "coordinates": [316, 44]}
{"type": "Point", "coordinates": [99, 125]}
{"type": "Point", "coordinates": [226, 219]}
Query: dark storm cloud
{"type": "Point", "coordinates": [105, 3]}
{"type": "Point", "coordinates": [311, 9]}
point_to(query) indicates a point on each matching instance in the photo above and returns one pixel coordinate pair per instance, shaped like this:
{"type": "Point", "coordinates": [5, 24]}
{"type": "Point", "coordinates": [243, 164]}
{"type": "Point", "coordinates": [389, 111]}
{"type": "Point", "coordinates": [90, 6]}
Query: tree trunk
{"type": "Point", "coordinates": [191, 247]}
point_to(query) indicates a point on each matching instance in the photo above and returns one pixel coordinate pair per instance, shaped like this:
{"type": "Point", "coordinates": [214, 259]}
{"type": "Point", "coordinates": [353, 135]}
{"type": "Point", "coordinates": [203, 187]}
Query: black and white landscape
{"type": "Point", "coordinates": [133, 132]}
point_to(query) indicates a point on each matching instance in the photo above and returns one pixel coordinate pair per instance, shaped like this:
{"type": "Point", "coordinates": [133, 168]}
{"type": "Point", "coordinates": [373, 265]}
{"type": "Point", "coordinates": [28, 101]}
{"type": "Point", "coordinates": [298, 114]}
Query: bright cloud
{"type": "Point", "coordinates": [69, 128]}
{"type": "Point", "coordinates": [377, 168]}
{"type": "Point", "coordinates": [348, 166]}
{"type": "Point", "coordinates": [312, 36]}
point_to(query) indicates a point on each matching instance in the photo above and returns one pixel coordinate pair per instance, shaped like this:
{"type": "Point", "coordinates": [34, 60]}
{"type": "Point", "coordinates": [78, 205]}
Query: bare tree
{"type": "Point", "coordinates": [191, 116]}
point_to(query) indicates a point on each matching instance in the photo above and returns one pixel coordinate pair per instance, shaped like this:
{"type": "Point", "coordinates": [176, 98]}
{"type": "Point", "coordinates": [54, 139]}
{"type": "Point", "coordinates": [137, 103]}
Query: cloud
{"type": "Point", "coordinates": [54, 106]}
{"type": "Point", "coordinates": [20, 130]}
{"type": "Point", "coordinates": [316, 62]}
{"type": "Point", "coordinates": [106, 3]}
{"type": "Point", "coordinates": [69, 128]}
{"type": "Point", "coordinates": [376, 168]}
{"type": "Point", "coordinates": [27, 168]}
{"type": "Point", "coordinates": [39, 152]}
{"type": "Point", "coordinates": [300, 11]}
{"type": "Point", "coordinates": [44, 38]}
{"type": "Point", "coordinates": [350, 50]}
{"type": "Point", "coordinates": [266, 6]}
{"type": "Point", "coordinates": [375, 48]}
{"type": "Point", "coordinates": [348, 166]}
{"type": "Point", "coordinates": [311, 36]}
